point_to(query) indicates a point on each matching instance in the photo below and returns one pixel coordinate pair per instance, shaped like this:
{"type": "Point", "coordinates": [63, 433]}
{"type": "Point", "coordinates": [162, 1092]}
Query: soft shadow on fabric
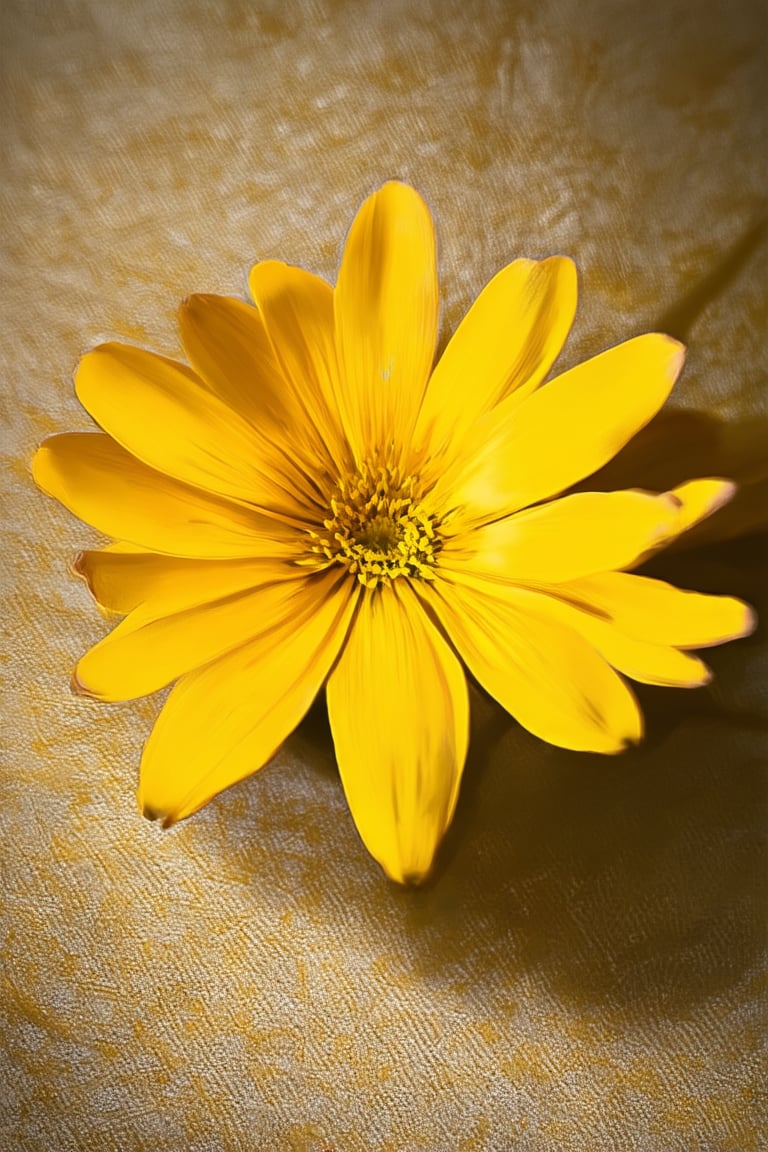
{"type": "Point", "coordinates": [634, 882]}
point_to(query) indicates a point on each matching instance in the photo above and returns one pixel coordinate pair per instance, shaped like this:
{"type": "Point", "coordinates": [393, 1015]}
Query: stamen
{"type": "Point", "coordinates": [378, 529]}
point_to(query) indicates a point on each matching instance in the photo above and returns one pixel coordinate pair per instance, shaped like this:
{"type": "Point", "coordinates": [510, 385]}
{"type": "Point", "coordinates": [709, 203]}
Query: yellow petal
{"type": "Point", "coordinates": [163, 414]}
{"type": "Point", "coordinates": [398, 707]}
{"type": "Point", "coordinates": [297, 311]}
{"type": "Point", "coordinates": [507, 343]}
{"type": "Point", "coordinates": [227, 345]}
{"type": "Point", "coordinates": [545, 674]}
{"type": "Point", "coordinates": [104, 485]}
{"type": "Point", "coordinates": [700, 499]}
{"type": "Point", "coordinates": [386, 304]}
{"type": "Point", "coordinates": [522, 453]}
{"type": "Point", "coordinates": [121, 580]}
{"type": "Point", "coordinates": [571, 537]}
{"type": "Point", "coordinates": [223, 722]}
{"type": "Point", "coordinates": [696, 500]}
{"type": "Point", "coordinates": [648, 663]}
{"type": "Point", "coordinates": [659, 613]}
{"type": "Point", "coordinates": [147, 651]}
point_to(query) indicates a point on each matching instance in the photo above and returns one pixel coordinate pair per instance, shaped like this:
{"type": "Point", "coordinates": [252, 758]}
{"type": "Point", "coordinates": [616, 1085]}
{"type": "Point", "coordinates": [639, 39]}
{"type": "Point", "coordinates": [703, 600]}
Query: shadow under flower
{"type": "Point", "coordinates": [631, 885]}
{"type": "Point", "coordinates": [634, 883]}
{"type": "Point", "coordinates": [637, 881]}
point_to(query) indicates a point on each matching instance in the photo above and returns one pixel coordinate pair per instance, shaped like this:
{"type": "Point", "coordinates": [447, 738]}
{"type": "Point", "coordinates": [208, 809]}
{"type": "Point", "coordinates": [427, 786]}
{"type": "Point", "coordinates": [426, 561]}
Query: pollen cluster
{"type": "Point", "coordinates": [378, 529]}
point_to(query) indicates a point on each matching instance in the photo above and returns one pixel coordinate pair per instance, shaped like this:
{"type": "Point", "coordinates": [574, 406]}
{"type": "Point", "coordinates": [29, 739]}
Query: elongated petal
{"type": "Point", "coordinates": [647, 663]}
{"type": "Point", "coordinates": [571, 537]}
{"type": "Point", "coordinates": [696, 500]}
{"type": "Point", "coordinates": [386, 305]}
{"type": "Point", "coordinates": [507, 343]}
{"type": "Point", "coordinates": [147, 651]}
{"type": "Point", "coordinates": [297, 311]}
{"type": "Point", "coordinates": [228, 346]}
{"type": "Point", "coordinates": [110, 489]}
{"type": "Point", "coordinates": [223, 722]}
{"type": "Point", "coordinates": [523, 453]}
{"type": "Point", "coordinates": [701, 498]}
{"type": "Point", "coordinates": [659, 613]}
{"type": "Point", "coordinates": [163, 414]}
{"type": "Point", "coordinates": [552, 680]}
{"type": "Point", "coordinates": [398, 706]}
{"type": "Point", "coordinates": [122, 580]}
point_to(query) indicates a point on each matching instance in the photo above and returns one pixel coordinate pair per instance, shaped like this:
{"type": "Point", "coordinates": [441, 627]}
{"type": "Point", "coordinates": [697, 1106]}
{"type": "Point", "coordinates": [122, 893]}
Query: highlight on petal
{"type": "Point", "coordinates": [523, 453]}
{"type": "Point", "coordinates": [156, 644]}
{"type": "Point", "coordinates": [398, 707]}
{"type": "Point", "coordinates": [660, 613]}
{"type": "Point", "coordinates": [110, 489]}
{"type": "Point", "coordinates": [504, 346]}
{"type": "Point", "coordinates": [296, 309]}
{"type": "Point", "coordinates": [163, 414]}
{"type": "Point", "coordinates": [570, 537]}
{"type": "Point", "coordinates": [544, 673]}
{"type": "Point", "coordinates": [226, 720]}
{"type": "Point", "coordinates": [386, 307]}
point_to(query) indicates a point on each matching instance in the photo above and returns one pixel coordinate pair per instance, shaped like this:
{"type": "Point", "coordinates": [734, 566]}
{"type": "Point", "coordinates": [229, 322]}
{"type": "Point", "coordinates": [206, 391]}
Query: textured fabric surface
{"type": "Point", "coordinates": [587, 969]}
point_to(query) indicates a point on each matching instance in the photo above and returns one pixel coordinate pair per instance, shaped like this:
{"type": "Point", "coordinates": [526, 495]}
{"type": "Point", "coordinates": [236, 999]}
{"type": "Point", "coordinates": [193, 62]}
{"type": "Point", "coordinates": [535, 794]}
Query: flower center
{"type": "Point", "coordinates": [378, 529]}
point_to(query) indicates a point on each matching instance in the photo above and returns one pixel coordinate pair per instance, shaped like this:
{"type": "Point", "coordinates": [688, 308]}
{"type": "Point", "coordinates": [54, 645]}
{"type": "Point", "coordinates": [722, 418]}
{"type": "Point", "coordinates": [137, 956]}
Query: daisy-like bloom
{"type": "Point", "coordinates": [308, 504]}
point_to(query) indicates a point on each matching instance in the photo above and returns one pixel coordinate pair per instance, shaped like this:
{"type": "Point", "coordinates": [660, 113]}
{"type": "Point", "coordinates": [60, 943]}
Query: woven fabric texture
{"type": "Point", "coordinates": [586, 971]}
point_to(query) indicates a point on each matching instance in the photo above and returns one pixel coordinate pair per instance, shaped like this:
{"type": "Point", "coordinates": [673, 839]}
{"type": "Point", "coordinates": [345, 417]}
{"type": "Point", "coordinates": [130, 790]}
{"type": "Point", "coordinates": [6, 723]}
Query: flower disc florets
{"type": "Point", "coordinates": [378, 529]}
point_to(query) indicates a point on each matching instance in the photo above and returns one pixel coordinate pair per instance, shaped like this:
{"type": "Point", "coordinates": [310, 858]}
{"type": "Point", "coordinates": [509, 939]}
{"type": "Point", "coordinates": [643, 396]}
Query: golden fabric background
{"type": "Point", "coordinates": [587, 970]}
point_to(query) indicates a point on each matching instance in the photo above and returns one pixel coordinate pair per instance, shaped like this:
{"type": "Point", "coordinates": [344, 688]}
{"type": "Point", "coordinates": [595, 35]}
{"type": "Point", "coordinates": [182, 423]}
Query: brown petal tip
{"type": "Point", "coordinates": [167, 819]}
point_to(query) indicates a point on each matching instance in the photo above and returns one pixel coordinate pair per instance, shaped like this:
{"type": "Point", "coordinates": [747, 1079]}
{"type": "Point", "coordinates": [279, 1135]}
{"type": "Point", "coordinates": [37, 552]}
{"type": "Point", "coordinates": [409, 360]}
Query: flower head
{"type": "Point", "coordinates": [308, 504]}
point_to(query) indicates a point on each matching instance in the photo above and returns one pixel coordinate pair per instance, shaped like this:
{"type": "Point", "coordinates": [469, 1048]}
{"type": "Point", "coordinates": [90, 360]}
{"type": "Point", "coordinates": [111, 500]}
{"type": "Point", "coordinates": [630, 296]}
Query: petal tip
{"type": "Point", "coordinates": [150, 812]}
{"type": "Point", "coordinates": [636, 733]}
{"type": "Point", "coordinates": [78, 566]}
{"type": "Point", "coordinates": [414, 879]}
{"type": "Point", "coordinates": [407, 877]}
{"type": "Point", "coordinates": [565, 265]}
{"type": "Point", "coordinates": [678, 353]}
{"type": "Point", "coordinates": [750, 620]}
{"type": "Point", "coordinates": [79, 688]}
{"type": "Point", "coordinates": [722, 492]}
{"type": "Point", "coordinates": [39, 464]}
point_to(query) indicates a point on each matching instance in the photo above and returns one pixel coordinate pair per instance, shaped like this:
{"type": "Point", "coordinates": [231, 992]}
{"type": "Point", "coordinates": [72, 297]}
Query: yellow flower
{"type": "Point", "coordinates": [306, 505]}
